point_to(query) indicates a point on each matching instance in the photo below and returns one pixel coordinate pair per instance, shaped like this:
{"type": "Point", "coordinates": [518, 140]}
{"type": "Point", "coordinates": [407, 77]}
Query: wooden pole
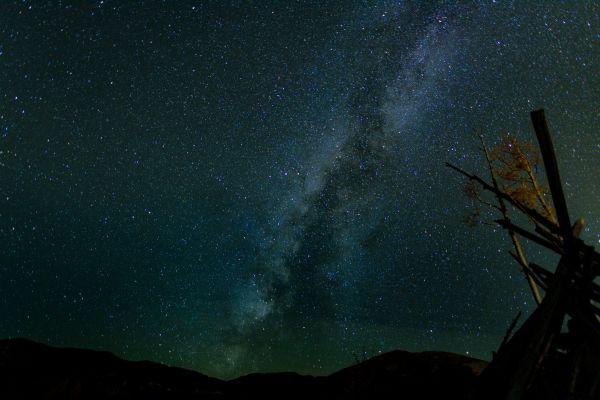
{"type": "Point", "coordinates": [551, 167]}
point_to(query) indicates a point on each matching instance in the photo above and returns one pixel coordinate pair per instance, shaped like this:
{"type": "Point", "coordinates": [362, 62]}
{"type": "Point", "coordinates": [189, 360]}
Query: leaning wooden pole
{"type": "Point", "coordinates": [552, 175]}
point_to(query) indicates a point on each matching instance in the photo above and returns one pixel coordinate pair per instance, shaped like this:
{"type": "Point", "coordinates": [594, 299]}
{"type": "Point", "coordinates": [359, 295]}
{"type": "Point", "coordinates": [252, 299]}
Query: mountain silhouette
{"type": "Point", "coordinates": [34, 370]}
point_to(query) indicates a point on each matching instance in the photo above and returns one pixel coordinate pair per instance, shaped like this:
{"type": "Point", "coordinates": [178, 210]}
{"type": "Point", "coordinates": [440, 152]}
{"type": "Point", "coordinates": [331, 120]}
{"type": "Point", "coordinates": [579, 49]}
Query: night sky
{"type": "Point", "coordinates": [237, 186]}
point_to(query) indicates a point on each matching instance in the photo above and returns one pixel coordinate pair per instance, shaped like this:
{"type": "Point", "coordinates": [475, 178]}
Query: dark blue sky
{"type": "Point", "coordinates": [259, 186]}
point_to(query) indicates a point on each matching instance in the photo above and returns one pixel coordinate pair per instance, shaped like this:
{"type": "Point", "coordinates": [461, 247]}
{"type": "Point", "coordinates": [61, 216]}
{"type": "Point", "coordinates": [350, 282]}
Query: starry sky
{"type": "Point", "coordinates": [238, 186]}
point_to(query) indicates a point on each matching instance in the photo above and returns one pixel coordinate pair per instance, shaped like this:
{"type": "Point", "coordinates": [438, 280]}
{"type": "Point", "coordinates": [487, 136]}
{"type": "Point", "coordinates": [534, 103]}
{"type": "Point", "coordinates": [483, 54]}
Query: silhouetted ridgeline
{"type": "Point", "coordinates": [34, 370]}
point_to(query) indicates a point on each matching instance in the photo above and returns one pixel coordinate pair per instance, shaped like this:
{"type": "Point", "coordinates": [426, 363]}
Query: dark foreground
{"type": "Point", "coordinates": [34, 370]}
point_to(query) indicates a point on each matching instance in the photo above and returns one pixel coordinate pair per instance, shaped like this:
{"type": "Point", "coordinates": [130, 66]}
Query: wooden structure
{"type": "Point", "coordinates": [556, 352]}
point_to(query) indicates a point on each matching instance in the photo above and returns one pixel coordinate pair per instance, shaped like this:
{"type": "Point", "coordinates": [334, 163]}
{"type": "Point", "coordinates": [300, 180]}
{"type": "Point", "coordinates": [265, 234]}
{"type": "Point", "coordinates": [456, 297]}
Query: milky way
{"type": "Point", "coordinates": [235, 187]}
